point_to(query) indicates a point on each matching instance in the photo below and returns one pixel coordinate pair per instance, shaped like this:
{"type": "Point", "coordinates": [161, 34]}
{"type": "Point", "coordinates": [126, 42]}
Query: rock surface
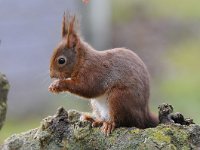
{"type": "Point", "coordinates": [64, 130]}
{"type": "Point", "coordinates": [4, 87]}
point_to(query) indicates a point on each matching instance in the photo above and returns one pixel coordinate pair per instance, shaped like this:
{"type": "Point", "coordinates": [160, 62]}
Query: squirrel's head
{"type": "Point", "coordinates": [64, 56]}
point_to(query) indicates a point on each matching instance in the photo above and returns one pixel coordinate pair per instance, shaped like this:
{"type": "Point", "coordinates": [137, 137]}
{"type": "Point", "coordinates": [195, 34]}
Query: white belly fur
{"type": "Point", "coordinates": [101, 104]}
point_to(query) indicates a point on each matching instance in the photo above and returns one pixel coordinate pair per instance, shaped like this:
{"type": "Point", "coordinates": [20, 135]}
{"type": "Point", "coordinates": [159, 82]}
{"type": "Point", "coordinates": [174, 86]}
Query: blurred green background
{"type": "Point", "coordinates": [165, 34]}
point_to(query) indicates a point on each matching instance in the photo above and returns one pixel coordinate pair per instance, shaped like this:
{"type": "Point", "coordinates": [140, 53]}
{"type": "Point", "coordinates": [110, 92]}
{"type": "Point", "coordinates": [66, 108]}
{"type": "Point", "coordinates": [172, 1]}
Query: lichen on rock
{"type": "Point", "coordinates": [64, 130]}
{"type": "Point", "coordinates": [4, 87]}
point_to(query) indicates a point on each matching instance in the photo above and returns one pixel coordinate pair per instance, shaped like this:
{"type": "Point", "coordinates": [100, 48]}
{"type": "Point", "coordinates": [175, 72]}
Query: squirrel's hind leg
{"type": "Point", "coordinates": [95, 122]}
{"type": "Point", "coordinates": [85, 117]}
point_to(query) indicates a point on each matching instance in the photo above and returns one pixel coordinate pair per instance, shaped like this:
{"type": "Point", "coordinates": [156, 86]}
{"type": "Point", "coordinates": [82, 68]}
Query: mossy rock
{"type": "Point", "coordinates": [64, 130]}
{"type": "Point", "coordinates": [4, 87]}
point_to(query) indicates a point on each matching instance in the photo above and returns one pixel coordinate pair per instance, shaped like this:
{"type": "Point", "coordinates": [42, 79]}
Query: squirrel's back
{"type": "Point", "coordinates": [116, 67]}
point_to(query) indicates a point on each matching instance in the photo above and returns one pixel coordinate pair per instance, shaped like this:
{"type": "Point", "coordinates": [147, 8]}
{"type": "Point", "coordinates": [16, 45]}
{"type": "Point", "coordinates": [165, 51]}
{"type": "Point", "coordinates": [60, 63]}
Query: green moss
{"type": "Point", "coordinates": [74, 115]}
{"type": "Point", "coordinates": [180, 139]}
{"type": "Point", "coordinates": [6, 87]}
{"type": "Point", "coordinates": [112, 138]}
{"type": "Point", "coordinates": [169, 147]}
{"type": "Point", "coordinates": [179, 136]}
{"type": "Point", "coordinates": [82, 129]}
{"type": "Point", "coordinates": [135, 131]}
{"type": "Point", "coordinates": [158, 135]}
{"type": "Point", "coordinates": [161, 137]}
{"type": "Point", "coordinates": [2, 107]}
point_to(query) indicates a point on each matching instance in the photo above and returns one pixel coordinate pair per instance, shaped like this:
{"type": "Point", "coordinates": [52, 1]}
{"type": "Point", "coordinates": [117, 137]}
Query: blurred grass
{"type": "Point", "coordinates": [17, 126]}
{"type": "Point", "coordinates": [184, 9]}
{"type": "Point", "coordinates": [182, 85]}
{"type": "Point", "coordinates": [176, 8]}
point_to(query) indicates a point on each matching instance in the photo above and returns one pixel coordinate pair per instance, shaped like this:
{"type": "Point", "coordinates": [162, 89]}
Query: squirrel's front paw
{"type": "Point", "coordinates": [55, 86]}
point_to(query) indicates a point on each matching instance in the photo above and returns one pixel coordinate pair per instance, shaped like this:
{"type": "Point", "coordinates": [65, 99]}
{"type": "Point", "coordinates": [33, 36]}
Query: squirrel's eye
{"type": "Point", "coordinates": [61, 60]}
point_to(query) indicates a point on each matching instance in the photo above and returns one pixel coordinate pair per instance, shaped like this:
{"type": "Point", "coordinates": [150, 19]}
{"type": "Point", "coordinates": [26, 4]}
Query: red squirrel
{"type": "Point", "coordinates": [116, 81]}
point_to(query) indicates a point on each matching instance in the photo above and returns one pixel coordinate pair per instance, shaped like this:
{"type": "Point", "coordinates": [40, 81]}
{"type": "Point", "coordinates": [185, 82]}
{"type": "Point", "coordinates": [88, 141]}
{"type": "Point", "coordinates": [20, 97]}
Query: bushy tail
{"type": "Point", "coordinates": [153, 120]}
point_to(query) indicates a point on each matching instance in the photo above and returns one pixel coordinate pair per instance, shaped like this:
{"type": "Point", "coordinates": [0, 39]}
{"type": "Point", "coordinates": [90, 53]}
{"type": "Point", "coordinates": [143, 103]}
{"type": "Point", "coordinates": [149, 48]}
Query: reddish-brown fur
{"type": "Point", "coordinates": [118, 74]}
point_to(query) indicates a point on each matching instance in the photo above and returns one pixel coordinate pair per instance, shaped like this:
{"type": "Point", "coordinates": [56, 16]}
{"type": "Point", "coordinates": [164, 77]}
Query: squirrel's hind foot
{"type": "Point", "coordinates": [108, 127]}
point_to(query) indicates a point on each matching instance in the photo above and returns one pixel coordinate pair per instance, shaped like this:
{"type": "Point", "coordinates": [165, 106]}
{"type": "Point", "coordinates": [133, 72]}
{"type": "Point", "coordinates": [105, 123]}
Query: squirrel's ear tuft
{"type": "Point", "coordinates": [69, 29]}
{"type": "Point", "coordinates": [71, 32]}
{"type": "Point", "coordinates": [72, 24]}
{"type": "Point", "coordinates": [68, 24]}
{"type": "Point", "coordinates": [64, 26]}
